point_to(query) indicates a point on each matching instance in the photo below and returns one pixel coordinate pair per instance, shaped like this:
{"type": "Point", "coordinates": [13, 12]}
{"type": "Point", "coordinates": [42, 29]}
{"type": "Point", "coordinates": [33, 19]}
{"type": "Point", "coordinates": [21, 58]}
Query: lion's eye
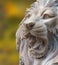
{"type": "Point", "coordinates": [47, 16]}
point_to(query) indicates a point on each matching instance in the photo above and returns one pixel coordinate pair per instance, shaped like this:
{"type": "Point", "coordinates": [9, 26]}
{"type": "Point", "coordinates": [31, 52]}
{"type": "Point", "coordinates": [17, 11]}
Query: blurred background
{"type": "Point", "coordinates": [11, 13]}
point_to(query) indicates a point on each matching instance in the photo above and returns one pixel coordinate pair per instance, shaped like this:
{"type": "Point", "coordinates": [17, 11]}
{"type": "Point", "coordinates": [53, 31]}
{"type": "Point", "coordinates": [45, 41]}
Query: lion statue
{"type": "Point", "coordinates": [37, 35]}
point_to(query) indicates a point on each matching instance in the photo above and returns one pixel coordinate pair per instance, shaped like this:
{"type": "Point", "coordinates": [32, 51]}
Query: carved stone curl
{"type": "Point", "coordinates": [37, 35]}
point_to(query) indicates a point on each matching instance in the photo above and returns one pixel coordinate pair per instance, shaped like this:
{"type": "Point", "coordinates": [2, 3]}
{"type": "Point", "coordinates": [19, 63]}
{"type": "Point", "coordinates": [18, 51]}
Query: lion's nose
{"type": "Point", "coordinates": [29, 25]}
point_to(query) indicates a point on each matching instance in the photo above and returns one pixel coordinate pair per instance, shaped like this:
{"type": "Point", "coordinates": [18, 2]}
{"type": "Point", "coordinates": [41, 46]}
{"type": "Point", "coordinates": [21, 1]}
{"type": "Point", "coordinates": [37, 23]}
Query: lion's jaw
{"type": "Point", "coordinates": [37, 46]}
{"type": "Point", "coordinates": [37, 51]}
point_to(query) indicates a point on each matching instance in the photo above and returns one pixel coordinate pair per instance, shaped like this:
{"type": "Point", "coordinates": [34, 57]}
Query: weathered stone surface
{"type": "Point", "coordinates": [37, 35]}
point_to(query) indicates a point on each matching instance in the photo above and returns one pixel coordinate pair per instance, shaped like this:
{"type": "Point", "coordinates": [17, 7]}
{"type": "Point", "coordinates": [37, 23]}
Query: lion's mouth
{"type": "Point", "coordinates": [38, 50]}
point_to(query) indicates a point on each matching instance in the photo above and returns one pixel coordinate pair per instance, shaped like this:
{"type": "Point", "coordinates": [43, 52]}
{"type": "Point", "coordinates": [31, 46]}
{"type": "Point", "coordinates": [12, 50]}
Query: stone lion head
{"type": "Point", "coordinates": [37, 35]}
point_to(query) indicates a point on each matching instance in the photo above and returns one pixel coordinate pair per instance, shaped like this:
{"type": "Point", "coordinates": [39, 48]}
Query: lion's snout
{"type": "Point", "coordinates": [29, 25]}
